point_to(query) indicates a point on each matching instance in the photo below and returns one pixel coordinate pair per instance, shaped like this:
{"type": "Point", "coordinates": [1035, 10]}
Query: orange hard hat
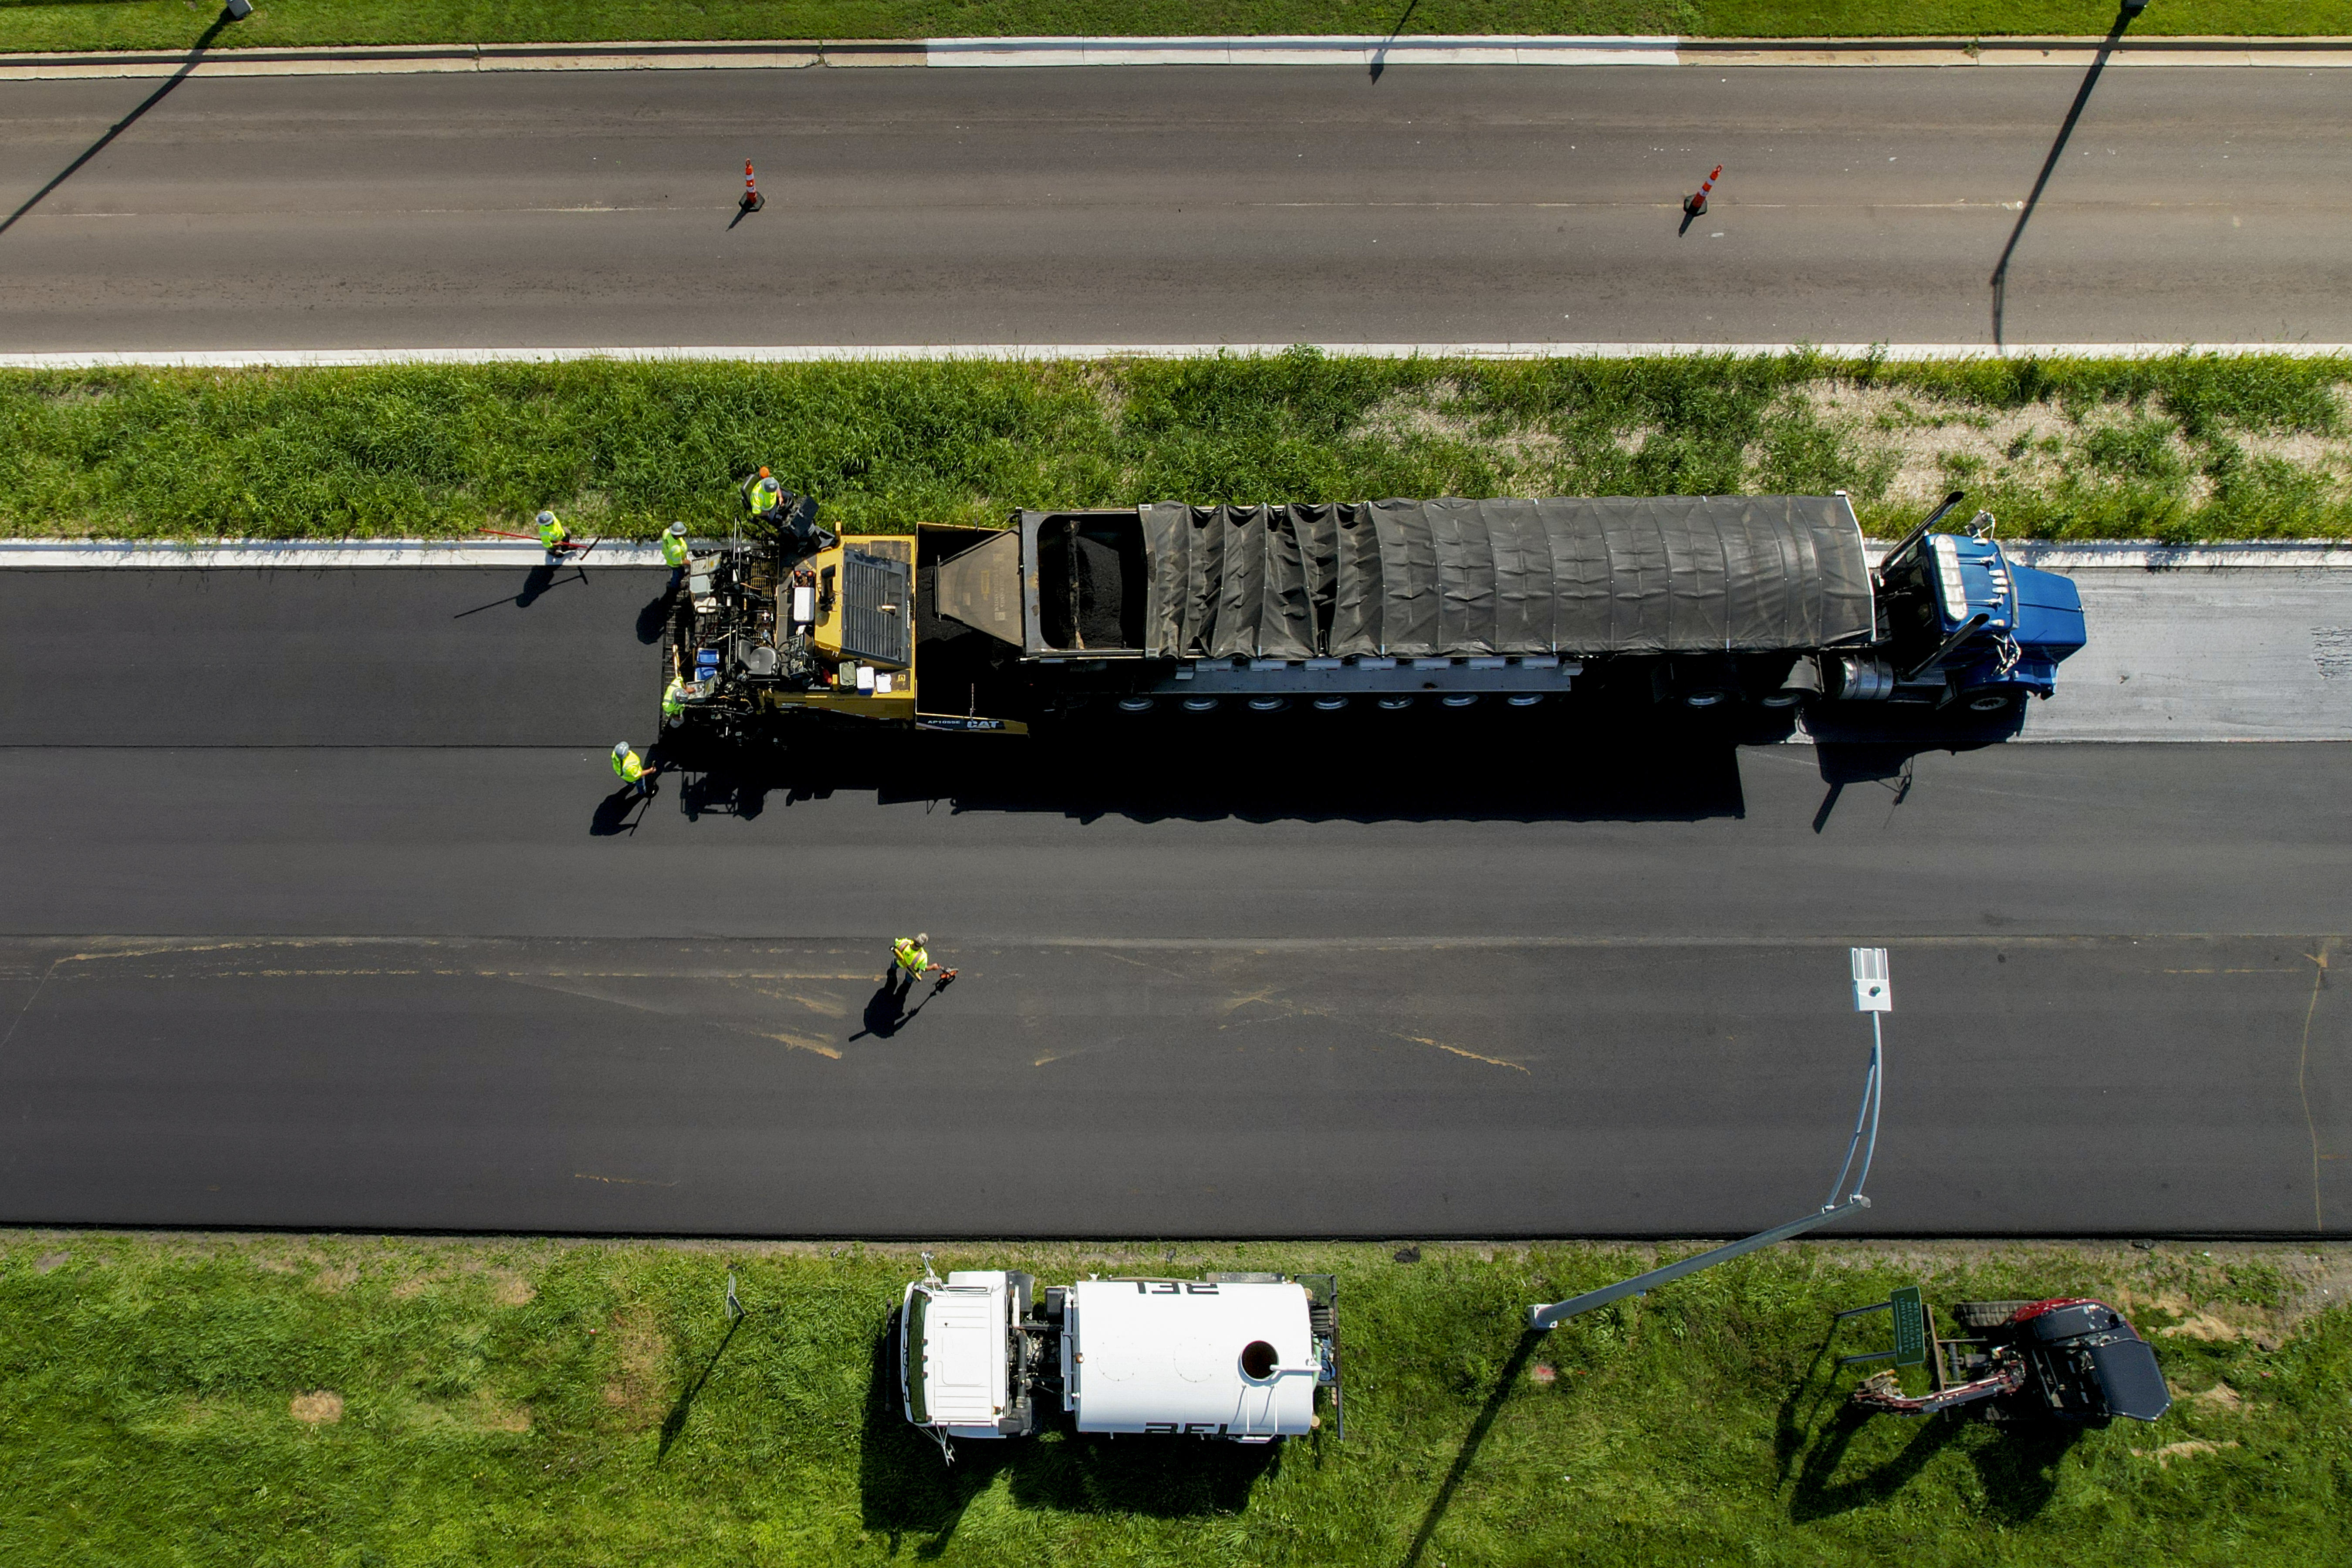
{"type": "Point", "coordinates": [763, 473]}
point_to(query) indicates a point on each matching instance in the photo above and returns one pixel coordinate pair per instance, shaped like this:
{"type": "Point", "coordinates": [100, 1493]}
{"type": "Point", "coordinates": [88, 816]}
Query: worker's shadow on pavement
{"type": "Point", "coordinates": [537, 580]}
{"type": "Point", "coordinates": [907, 1490]}
{"type": "Point", "coordinates": [620, 812]}
{"type": "Point", "coordinates": [653, 618]}
{"type": "Point", "coordinates": [886, 1012]}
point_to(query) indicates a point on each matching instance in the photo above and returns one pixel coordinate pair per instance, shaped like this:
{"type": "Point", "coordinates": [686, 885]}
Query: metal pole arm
{"type": "Point", "coordinates": [1558, 1312]}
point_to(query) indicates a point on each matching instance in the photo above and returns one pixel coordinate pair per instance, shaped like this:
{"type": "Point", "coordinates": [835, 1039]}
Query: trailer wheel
{"type": "Point", "coordinates": [1983, 1315]}
{"type": "Point", "coordinates": [1705, 697]}
{"type": "Point", "coordinates": [1783, 698]}
{"type": "Point", "coordinates": [1135, 704]}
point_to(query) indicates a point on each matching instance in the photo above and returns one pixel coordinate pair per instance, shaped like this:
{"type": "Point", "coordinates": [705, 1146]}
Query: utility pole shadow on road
{"type": "Point", "coordinates": [1380, 55]}
{"type": "Point", "coordinates": [195, 56]}
{"type": "Point", "coordinates": [2050, 164]}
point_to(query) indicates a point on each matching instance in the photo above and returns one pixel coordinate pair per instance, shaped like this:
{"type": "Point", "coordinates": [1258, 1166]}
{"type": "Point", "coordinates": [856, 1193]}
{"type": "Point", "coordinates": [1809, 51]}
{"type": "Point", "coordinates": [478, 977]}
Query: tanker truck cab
{"type": "Point", "coordinates": [962, 1356]}
{"type": "Point", "coordinates": [1240, 1358]}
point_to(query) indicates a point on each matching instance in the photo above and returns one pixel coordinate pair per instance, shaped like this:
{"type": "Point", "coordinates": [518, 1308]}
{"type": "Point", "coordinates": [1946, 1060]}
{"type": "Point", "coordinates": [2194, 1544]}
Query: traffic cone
{"type": "Point", "coordinates": [752, 200]}
{"type": "Point", "coordinates": [1695, 202]}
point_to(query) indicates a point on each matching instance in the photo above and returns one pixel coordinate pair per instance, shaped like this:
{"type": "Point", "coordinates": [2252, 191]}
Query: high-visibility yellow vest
{"type": "Point", "coordinates": [674, 699]}
{"type": "Point", "coordinates": [673, 550]}
{"type": "Point", "coordinates": [914, 959]}
{"type": "Point", "coordinates": [630, 766]}
{"type": "Point", "coordinates": [552, 534]}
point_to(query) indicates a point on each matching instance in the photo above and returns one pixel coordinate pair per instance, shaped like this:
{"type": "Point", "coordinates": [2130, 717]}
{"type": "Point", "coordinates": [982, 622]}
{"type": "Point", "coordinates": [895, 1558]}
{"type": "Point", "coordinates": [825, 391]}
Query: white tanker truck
{"type": "Point", "coordinates": [1240, 1357]}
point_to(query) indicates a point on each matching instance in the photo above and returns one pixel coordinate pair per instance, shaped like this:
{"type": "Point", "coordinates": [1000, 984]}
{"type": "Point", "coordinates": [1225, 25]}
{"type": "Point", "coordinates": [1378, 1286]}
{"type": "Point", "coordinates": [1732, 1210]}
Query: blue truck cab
{"type": "Point", "coordinates": [1962, 624]}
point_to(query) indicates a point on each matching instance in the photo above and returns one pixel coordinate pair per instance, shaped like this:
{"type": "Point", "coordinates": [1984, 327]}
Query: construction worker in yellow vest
{"type": "Point", "coordinates": [674, 551]}
{"type": "Point", "coordinates": [910, 960]}
{"type": "Point", "coordinates": [553, 537]}
{"type": "Point", "coordinates": [674, 701]}
{"type": "Point", "coordinates": [634, 772]}
{"type": "Point", "coordinates": [761, 493]}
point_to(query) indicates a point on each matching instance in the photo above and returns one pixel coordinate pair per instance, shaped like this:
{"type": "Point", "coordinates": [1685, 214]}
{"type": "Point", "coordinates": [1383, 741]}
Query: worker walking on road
{"type": "Point", "coordinates": [910, 960]}
{"type": "Point", "coordinates": [553, 537]}
{"type": "Point", "coordinates": [636, 773]}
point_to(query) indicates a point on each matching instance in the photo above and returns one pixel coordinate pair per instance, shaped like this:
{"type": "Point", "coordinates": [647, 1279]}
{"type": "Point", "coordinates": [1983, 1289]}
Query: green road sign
{"type": "Point", "coordinates": [1910, 1327]}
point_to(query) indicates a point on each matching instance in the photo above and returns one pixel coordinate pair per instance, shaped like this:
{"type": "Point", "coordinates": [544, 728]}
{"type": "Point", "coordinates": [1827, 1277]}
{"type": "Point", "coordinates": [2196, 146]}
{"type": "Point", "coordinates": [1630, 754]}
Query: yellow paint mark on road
{"type": "Point", "coordinates": [798, 1043]}
{"type": "Point", "coordinates": [827, 1005]}
{"type": "Point", "coordinates": [1457, 1050]}
{"type": "Point", "coordinates": [1057, 1056]}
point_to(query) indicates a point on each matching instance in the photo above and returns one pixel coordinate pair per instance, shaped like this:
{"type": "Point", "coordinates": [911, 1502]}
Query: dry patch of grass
{"type": "Point", "coordinates": [319, 1407]}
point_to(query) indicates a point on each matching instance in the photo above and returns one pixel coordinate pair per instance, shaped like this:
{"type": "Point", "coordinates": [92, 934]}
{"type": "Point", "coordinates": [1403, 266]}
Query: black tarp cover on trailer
{"type": "Point", "coordinates": [1584, 575]}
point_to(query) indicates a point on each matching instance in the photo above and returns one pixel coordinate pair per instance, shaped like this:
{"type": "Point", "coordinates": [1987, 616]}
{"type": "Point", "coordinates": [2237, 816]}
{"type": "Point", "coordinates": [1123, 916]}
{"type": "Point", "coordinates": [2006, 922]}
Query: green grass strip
{"type": "Point", "coordinates": [2187, 449]}
{"type": "Point", "coordinates": [343, 1401]}
{"type": "Point", "coordinates": [279, 24]}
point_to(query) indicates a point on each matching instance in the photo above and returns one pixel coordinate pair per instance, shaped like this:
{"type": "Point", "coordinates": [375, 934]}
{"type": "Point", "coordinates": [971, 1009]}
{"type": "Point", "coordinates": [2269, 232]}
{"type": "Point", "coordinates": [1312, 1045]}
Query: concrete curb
{"type": "Point", "coordinates": [1360, 52]}
{"type": "Point", "coordinates": [297, 359]}
{"type": "Point", "coordinates": [87, 555]}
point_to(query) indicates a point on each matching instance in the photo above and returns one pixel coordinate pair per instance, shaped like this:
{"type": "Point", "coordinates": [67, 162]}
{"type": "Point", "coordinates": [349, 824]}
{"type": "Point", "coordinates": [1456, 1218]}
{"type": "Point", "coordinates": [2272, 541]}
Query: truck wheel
{"type": "Point", "coordinates": [1991, 702]}
{"type": "Point", "coordinates": [1985, 1314]}
{"type": "Point", "coordinates": [1705, 697]}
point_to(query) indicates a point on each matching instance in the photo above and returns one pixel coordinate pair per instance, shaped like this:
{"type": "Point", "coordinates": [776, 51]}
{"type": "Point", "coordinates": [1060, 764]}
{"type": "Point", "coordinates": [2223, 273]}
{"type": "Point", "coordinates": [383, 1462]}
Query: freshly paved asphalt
{"type": "Point", "coordinates": [292, 938]}
{"type": "Point", "coordinates": [1173, 204]}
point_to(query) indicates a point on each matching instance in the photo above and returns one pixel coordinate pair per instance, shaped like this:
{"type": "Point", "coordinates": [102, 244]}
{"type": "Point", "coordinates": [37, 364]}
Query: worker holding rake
{"type": "Point", "coordinates": [910, 960]}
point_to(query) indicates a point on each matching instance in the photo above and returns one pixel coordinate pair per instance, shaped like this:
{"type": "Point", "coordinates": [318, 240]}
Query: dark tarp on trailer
{"type": "Point", "coordinates": [1425, 579]}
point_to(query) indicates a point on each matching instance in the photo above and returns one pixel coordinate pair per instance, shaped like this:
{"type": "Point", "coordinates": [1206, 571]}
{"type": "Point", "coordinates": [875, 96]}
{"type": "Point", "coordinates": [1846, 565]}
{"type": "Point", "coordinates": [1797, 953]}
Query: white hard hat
{"type": "Point", "coordinates": [620, 748]}
{"type": "Point", "coordinates": [922, 939]}
{"type": "Point", "coordinates": [545, 518]}
{"type": "Point", "coordinates": [678, 528]}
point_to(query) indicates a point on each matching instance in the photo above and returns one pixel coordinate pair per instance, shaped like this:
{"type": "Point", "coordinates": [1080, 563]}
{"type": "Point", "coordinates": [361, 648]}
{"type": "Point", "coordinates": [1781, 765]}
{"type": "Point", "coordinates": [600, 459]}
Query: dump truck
{"type": "Point", "coordinates": [1704, 602]}
{"type": "Point", "coordinates": [1240, 1358]}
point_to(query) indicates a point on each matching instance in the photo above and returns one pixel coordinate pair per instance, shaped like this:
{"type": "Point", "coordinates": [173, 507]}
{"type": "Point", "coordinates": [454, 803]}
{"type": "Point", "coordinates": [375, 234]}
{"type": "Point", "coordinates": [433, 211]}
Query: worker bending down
{"type": "Point", "coordinates": [910, 960]}
{"type": "Point", "coordinates": [553, 537]}
{"type": "Point", "coordinates": [635, 771]}
{"type": "Point", "coordinates": [674, 701]}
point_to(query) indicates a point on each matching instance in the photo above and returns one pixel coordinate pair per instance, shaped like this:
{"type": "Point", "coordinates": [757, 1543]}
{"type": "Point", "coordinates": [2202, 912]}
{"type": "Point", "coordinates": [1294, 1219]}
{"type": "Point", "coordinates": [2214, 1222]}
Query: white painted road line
{"type": "Point", "coordinates": [826, 353]}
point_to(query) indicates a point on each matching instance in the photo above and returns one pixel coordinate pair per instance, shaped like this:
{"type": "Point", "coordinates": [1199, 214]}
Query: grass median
{"type": "Point", "coordinates": [340, 1400]}
{"type": "Point", "coordinates": [30, 25]}
{"type": "Point", "coordinates": [2187, 449]}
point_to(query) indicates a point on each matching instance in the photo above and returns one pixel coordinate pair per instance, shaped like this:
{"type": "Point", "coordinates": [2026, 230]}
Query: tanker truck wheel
{"type": "Point", "coordinates": [1983, 1315]}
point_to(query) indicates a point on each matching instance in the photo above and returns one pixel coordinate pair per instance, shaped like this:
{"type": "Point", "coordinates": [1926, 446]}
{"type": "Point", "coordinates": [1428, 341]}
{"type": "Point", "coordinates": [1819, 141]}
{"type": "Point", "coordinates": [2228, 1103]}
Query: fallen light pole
{"type": "Point", "coordinates": [1872, 995]}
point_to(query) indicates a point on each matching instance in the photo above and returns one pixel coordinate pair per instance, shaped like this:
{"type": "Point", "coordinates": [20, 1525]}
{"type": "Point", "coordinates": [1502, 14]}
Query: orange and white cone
{"type": "Point", "coordinates": [1694, 204]}
{"type": "Point", "coordinates": [752, 200]}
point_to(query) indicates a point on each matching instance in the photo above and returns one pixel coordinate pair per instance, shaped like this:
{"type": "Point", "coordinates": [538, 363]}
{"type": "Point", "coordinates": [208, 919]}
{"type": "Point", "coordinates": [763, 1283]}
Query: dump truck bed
{"type": "Point", "coordinates": [1453, 578]}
